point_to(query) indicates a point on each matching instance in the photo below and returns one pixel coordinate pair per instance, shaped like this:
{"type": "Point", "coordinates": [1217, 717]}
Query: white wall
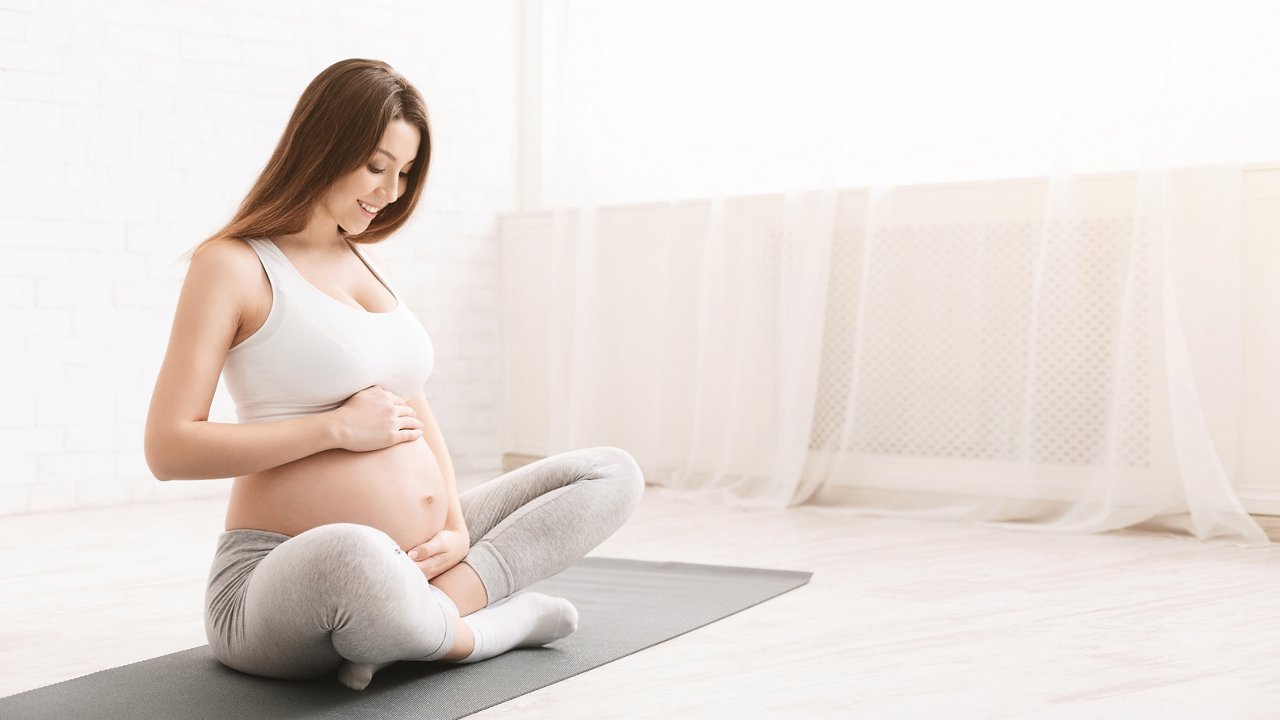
{"type": "Point", "coordinates": [129, 130]}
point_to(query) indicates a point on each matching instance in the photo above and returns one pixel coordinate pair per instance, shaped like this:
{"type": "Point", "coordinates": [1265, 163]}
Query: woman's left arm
{"type": "Point", "coordinates": [447, 547]}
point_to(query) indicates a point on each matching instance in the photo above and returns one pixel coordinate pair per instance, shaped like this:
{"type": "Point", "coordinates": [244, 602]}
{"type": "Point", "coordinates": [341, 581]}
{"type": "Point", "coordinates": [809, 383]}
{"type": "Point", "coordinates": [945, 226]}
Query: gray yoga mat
{"type": "Point", "coordinates": [624, 606]}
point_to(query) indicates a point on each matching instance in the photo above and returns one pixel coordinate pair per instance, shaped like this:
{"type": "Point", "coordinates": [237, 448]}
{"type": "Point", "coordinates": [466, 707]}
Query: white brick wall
{"type": "Point", "coordinates": [129, 130]}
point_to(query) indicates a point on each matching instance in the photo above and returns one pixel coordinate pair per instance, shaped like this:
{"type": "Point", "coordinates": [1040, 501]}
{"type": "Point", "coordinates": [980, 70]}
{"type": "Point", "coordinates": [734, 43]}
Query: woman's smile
{"type": "Point", "coordinates": [368, 209]}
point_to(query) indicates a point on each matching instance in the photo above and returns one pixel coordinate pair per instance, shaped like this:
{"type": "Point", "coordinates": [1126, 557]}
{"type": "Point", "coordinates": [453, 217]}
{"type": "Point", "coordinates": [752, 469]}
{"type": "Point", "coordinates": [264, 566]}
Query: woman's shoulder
{"type": "Point", "coordinates": [231, 265]}
{"type": "Point", "coordinates": [225, 255]}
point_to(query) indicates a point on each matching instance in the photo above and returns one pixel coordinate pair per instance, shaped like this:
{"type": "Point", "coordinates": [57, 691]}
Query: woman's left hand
{"type": "Point", "coordinates": [444, 550]}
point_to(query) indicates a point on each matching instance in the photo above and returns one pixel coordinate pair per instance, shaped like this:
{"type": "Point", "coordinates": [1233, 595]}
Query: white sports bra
{"type": "Point", "coordinates": [315, 351]}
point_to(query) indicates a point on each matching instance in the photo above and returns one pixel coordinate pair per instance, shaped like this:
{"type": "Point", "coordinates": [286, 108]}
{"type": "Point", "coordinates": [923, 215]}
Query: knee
{"type": "Point", "coordinates": [624, 477]}
{"type": "Point", "coordinates": [349, 535]}
{"type": "Point", "coordinates": [350, 546]}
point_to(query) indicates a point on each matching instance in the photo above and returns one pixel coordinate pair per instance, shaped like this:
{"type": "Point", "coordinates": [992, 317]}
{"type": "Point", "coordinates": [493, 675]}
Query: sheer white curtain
{"type": "Point", "coordinates": [1059, 353]}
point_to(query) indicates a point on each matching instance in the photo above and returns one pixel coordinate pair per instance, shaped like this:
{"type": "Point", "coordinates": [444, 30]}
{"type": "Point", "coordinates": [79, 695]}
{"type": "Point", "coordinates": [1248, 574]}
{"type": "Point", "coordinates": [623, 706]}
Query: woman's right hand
{"type": "Point", "coordinates": [375, 418]}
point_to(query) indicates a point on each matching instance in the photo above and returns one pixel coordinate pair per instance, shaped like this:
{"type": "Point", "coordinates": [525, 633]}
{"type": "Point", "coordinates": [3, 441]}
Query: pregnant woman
{"type": "Point", "coordinates": [347, 546]}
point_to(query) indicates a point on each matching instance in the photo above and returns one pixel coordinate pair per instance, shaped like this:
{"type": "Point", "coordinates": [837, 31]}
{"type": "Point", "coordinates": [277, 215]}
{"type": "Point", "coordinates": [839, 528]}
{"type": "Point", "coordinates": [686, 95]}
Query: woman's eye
{"type": "Point", "coordinates": [376, 171]}
{"type": "Point", "coordinates": [404, 175]}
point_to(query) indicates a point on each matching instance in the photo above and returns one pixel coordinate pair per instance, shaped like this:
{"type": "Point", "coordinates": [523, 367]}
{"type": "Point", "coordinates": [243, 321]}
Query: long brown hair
{"type": "Point", "coordinates": [334, 129]}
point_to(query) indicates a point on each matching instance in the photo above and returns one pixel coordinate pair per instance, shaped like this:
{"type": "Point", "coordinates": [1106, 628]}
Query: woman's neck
{"type": "Point", "coordinates": [321, 234]}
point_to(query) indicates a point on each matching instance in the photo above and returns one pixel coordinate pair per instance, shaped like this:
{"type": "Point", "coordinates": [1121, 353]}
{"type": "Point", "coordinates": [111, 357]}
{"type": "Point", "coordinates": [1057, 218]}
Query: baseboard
{"type": "Point", "coordinates": [1259, 500]}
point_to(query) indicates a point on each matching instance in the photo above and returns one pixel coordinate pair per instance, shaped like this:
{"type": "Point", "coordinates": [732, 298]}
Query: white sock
{"type": "Point", "coordinates": [529, 619]}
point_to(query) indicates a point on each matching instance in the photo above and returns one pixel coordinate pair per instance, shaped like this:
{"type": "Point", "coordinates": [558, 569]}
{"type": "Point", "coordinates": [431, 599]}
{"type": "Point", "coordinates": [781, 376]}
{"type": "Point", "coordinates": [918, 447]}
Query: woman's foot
{"type": "Point", "coordinates": [529, 619]}
{"type": "Point", "coordinates": [357, 675]}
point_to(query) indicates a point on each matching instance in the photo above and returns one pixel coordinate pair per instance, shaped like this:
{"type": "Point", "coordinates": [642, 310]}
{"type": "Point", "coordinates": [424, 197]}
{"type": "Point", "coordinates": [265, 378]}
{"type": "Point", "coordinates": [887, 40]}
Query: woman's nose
{"type": "Point", "coordinates": [391, 189]}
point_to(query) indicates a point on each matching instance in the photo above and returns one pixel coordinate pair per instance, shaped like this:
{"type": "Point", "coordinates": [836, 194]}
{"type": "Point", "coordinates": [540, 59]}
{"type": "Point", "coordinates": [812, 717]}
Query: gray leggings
{"type": "Point", "coordinates": [296, 607]}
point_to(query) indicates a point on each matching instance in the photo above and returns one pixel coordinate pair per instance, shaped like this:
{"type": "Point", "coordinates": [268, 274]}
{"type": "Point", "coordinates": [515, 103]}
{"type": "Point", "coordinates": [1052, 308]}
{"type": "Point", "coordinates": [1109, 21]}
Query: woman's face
{"type": "Point", "coordinates": [356, 198]}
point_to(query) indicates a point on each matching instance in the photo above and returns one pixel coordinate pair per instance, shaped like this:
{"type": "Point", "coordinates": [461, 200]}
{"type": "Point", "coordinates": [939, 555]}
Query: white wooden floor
{"type": "Point", "coordinates": [903, 618]}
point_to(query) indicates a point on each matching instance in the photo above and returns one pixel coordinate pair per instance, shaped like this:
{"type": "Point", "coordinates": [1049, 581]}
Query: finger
{"type": "Point", "coordinates": [424, 551]}
{"type": "Point", "coordinates": [427, 565]}
{"type": "Point", "coordinates": [408, 410]}
{"type": "Point", "coordinates": [408, 435]}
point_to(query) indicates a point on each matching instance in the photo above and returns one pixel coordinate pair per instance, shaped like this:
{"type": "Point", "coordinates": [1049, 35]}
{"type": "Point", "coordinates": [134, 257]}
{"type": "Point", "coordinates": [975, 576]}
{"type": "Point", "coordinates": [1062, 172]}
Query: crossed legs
{"type": "Point", "coordinates": [526, 525]}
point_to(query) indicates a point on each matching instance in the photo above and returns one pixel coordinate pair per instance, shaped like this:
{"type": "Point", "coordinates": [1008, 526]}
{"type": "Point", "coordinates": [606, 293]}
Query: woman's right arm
{"type": "Point", "coordinates": [180, 442]}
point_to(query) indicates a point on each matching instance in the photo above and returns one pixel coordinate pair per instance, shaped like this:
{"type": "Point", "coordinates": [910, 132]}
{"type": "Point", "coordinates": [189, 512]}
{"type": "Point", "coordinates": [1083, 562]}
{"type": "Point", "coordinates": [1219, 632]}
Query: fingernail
{"type": "Point", "coordinates": [413, 554]}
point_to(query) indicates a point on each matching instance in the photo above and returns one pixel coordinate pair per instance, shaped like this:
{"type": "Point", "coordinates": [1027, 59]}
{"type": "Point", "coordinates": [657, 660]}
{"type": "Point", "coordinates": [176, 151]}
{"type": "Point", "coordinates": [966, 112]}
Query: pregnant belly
{"type": "Point", "coordinates": [399, 490]}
